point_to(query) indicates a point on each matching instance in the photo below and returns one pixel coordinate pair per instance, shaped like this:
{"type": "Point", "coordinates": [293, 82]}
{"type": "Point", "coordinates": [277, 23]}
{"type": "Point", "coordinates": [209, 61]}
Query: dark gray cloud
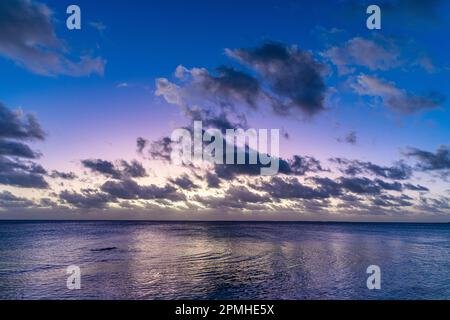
{"type": "Point", "coordinates": [129, 189]}
{"type": "Point", "coordinates": [161, 149]}
{"type": "Point", "coordinates": [393, 186]}
{"type": "Point", "coordinates": [225, 87]}
{"type": "Point", "coordinates": [17, 125]}
{"type": "Point", "coordinates": [235, 197]}
{"type": "Point", "coordinates": [392, 202]}
{"type": "Point", "coordinates": [365, 185]}
{"type": "Point", "coordinates": [23, 180]}
{"type": "Point", "coordinates": [8, 164]}
{"type": "Point", "coordinates": [184, 182]}
{"type": "Point", "coordinates": [48, 203]}
{"type": "Point", "coordinates": [141, 143]}
{"type": "Point", "coordinates": [399, 171]}
{"type": "Point", "coordinates": [300, 165]}
{"type": "Point", "coordinates": [360, 185]}
{"type": "Point", "coordinates": [242, 194]}
{"type": "Point", "coordinates": [356, 185]}
{"type": "Point", "coordinates": [212, 180]}
{"type": "Point", "coordinates": [396, 99]}
{"type": "Point", "coordinates": [134, 169]}
{"type": "Point", "coordinates": [231, 84]}
{"type": "Point", "coordinates": [290, 188]}
{"type": "Point", "coordinates": [231, 171]}
{"type": "Point", "coordinates": [29, 39]}
{"type": "Point", "coordinates": [414, 187]}
{"type": "Point", "coordinates": [102, 166]}
{"type": "Point", "coordinates": [331, 187]}
{"type": "Point", "coordinates": [221, 120]}
{"type": "Point", "coordinates": [429, 161]}
{"type": "Point", "coordinates": [17, 149]}
{"type": "Point", "coordinates": [434, 205]}
{"type": "Point", "coordinates": [122, 170]}
{"type": "Point", "coordinates": [359, 193]}
{"type": "Point", "coordinates": [8, 200]}
{"type": "Point", "coordinates": [63, 175]}
{"type": "Point", "coordinates": [86, 199]}
{"type": "Point", "coordinates": [294, 75]}
{"type": "Point", "coordinates": [22, 174]}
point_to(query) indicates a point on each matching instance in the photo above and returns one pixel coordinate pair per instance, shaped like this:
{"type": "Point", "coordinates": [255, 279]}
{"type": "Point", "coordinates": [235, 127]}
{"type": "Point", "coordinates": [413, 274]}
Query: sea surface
{"type": "Point", "coordinates": [223, 260]}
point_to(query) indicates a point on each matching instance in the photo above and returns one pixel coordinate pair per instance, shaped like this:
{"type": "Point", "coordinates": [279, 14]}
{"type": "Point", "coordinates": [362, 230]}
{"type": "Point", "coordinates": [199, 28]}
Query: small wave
{"type": "Point", "coordinates": [104, 249]}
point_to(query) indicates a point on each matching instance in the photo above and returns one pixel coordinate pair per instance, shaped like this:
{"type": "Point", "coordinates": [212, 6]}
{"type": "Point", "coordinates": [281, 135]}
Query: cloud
{"type": "Point", "coordinates": [63, 175]}
{"type": "Point", "coordinates": [102, 166]}
{"type": "Point", "coordinates": [134, 169]}
{"type": "Point", "coordinates": [292, 74]}
{"type": "Point", "coordinates": [228, 87]}
{"type": "Point", "coordinates": [122, 170]}
{"type": "Point", "coordinates": [17, 125]}
{"type": "Point", "coordinates": [300, 165]}
{"type": "Point", "coordinates": [392, 202]}
{"type": "Point", "coordinates": [290, 188]}
{"type": "Point", "coordinates": [392, 186]}
{"type": "Point", "coordinates": [87, 199]}
{"type": "Point", "coordinates": [331, 187]}
{"type": "Point", "coordinates": [286, 79]}
{"type": "Point", "coordinates": [141, 143]}
{"type": "Point", "coordinates": [399, 171]}
{"type": "Point", "coordinates": [360, 185]}
{"type": "Point", "coordinates": [429, 161]}
{"type": "Point", "coordinates": [22, 174]}
{"type": "Point", "coordinates": [396, 99]}
{"type": "Point", "coordinates": [161, 149]}
{"type": "Point", "coordinates": [8, 200]}
{"type": "Point", "coordinates": [432, 205]}
{"type": "Point", "coordinates": [242, 194]}
{"type": "Point", "coordinates": [350, 138]}
{"type": "Point", "coordinates": [235, 197]}
{"type": "Point", "coordinates": [356, 185]}
{"type": "Point", "coordinates": [129, 189]}
{"type": "Point", "coordinates": [184, 182]}
{"type": "Point", "coordinates": [29, 39]}
{"type": "Point", "coordinates": [363, 52]}
{"type": "Point", "coordinates": [413, 187]}
{"type": "Point", "coordinates": [212, 180]}
{"type": "Point", "coordinates": [17, 149]}
{"type": "Point", "coordinates": [214, 100]}
{"type": "Point", "coordinates": [14, 171]}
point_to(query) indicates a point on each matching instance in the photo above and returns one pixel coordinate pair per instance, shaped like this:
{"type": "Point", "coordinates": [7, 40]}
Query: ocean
{"type": "Point", "coordinates": [223, 260]}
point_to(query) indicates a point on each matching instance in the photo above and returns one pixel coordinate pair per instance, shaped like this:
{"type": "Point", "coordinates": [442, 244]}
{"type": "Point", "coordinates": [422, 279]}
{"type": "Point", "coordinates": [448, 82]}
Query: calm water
{"type": "Point", "coordinates": [148, 260]}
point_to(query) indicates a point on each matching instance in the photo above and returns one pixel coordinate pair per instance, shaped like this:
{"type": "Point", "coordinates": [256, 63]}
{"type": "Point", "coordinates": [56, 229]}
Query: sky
{"type": "Point", "coordinates": [86, 115]}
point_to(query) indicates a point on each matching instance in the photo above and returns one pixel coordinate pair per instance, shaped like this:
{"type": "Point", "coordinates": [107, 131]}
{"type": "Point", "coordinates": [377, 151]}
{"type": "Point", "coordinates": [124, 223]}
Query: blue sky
{"type": "Point", "coordinates": [384, 102]}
